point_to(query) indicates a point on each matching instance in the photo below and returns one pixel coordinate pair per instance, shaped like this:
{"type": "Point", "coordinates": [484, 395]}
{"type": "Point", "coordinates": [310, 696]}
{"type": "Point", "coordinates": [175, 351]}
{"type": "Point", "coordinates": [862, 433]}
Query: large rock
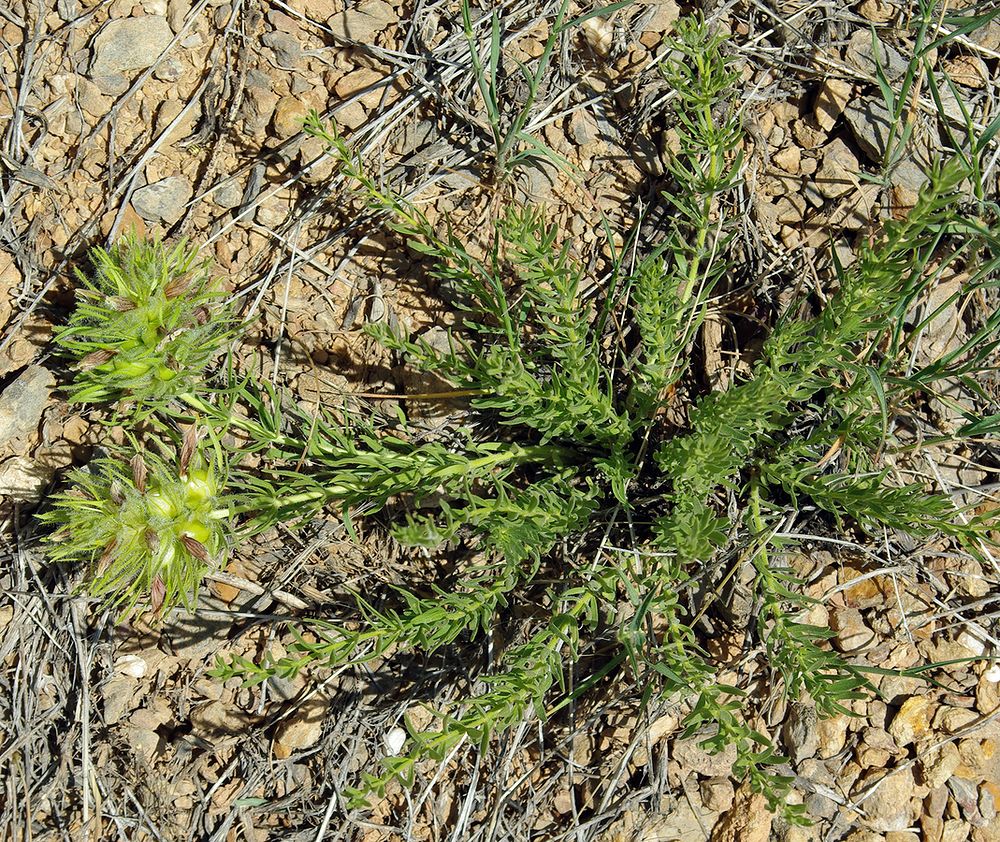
{"type": "Point", "coordinates": [869, 120]}
{"type": "Point", "coordinates": [912, 722]}
{"type": "Point", "coordinates": [748, 820]}
{"type": "Point", "coordinates": [890, 806]}
{"type": "Point", "coordinates": [362, 23]}
{"type": "Point", "coordinates": [831, 100]}
{"type": "Point", "coordinates": [800, 734]}
{"type": "Point", "coordinates": [163, 200]}
{"type": "Point", "coordinates": [867, 53]}
{"type": "Point", "coordinates": [129, 44]}
{"type": "Point", "coordinates": [21, 406]}
{"type": "Point", "coordinates": [23, 480]}
{"type": "Point", "coordinates": [838, 173]}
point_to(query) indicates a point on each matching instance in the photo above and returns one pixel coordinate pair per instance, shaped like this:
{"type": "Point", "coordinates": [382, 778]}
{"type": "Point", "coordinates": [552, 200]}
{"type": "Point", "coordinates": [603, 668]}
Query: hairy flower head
{"type": "Point", "coordinates": [148, 529]}
{"type": "Point", "coordinates": [146, 324]}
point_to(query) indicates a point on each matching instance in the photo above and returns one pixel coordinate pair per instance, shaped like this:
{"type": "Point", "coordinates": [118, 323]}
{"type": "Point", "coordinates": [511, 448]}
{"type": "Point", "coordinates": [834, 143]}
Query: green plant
{"type": "Point", "coordinates": [145, 326]}
{"type": "Point", "coordinates": [567, 490]}
{"type": "Point", "coordinates": [572, 417]}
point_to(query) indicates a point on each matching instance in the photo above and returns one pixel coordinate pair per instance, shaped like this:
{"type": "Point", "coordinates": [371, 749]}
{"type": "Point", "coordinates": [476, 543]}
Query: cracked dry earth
{"type": "Point", "coordinates": [183, 118]}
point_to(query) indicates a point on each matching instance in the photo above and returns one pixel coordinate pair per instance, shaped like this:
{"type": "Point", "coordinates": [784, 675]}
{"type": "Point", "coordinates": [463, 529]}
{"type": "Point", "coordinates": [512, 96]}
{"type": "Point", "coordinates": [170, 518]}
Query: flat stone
{"type": "Point", "coordinates": [196, 637]}
{"type": "Point", "coordinates": [969, 71]}
{"type": "Point", "coordinates": [819, 806]}
{"type": "Point", "coordinates": [288, 116]}
{"type": "Point", "coordinates": [987, 37]}
{"type": "Point", "coordinates": [228, 195]}
{"type": "Point", "coordinates": [416, 136]}
{"type": "Point", "coordinates": [113, 84]}
{"type": "Point", "coordinates": [177, 11]}
{"type": "Point", "coordinates": [867, 53]}
{"type": "Point", "coordinates": [955, 830]}
{"type": "Point", "coordinates": [832, 733]}
{"type": "Point", "coordinates": [21, 407]}
{"type": "Point", "coordinates": [912, 722]}
{"type": "Point", "coordinates": [909, 175]}
{"type": "Point", "coordinates": [351, 115]}
{"type": "Point", "coordinates": [163, 200]}
{"type": "Point", "coordinates": [154, 715]}
{"type": "Point", "coordinates": [169, 70]}
{"type": "Point", "coordinates": [286, 689]}
{"type": "Point", "coordinates": [23, 480]}
{"type": "Point", "coordinates": [171, 111]}
{"type": "Point", "coordinates": [831, 100]}
{"type": "Point", "coordinates": [302, 728]}
{"type": "Point", "coordinates": [661, 17]}
{"type": "Point", "coordinates": [258, 109]}
{"type": "Point", "coordinates": [68, 10]}
{"type": "Point", "coordinates": [287, 50]}
{"type": "Point", "coordinates": [868, 119]}
{"type": "Point", "coordinates": [952, 719]}
{"type": "Point", "coordinates": [865, 836]}
{"type": "Point", "coordinates": [838, 174]}
{"type": "Point", "coordinates": [92, 101]}
{"type": "Point", "coordinates": [872, 756]}
{"type": "Point", "coordinates": [890, 807]}
{"type": "Point", "coordinates": [692, 756]}
{"type": "Point", "coordinates": [717, 794]}
{"type": "Point", "coordinates": [680, 822]}
{"type": "Point", "coordinates": [119, 698]}
{"type": "Point", "coordinates": [359, 80]}
{"type": "Point", "coordinates": [808, 133]}
{"type": "Point", "coordinates": [217, 719]}
{"type": "Point", "coordinates": [129, 44]}
{"type": "Point", "coordinates": [144, 743]}
{"type": "Point", "coordinates": [851, 631]}
{"type": "Point", "coordinates": [362, 24]}
{"type": "Point", "coordinates": [317, 10]}
{"type": "Point", "coordinates": [939, 764]}
{"type": "Point", "coordinates": [536, 182]}
{"type": "Point", "coordinates": [380, 10]}
{"type": "Point", "coordinates": [945, 332]}
{"type": "Point", "coordinates": [789, 159]}
{"type": "Point", "coordinates": [878, 11]}
{"type": "Point", "coordinates": [987, 805]}
{"type": "Point", "coordinates": [10, 277]}
{"type": "Point", "coordinates": [583, 128]}
{"type": "Point", "coordinates": [748, 820]}
{"type": "Point", "coordinates": [799, 733]}
{"type": "Point", "coordinates": [790, 209]}
{"type": "Point", "coordinates": [966, 795]}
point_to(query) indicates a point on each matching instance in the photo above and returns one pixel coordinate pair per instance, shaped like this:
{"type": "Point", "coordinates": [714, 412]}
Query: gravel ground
{"type": "Point", "coordinates": [183, 119]}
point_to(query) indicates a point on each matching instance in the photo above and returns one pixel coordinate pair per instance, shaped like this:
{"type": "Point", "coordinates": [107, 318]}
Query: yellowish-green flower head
{"type": "Point", "coordinates": [146, 324]}
{"type": "Point", "coordinates": [149, 530]}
